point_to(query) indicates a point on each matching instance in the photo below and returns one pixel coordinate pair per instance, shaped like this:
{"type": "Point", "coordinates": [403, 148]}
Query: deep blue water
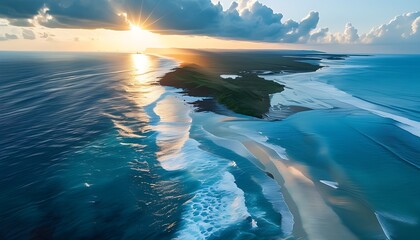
{"type": "Point", "coordinates": [92, 147]}
{"type": "Point", "coordinates": [80, 156]}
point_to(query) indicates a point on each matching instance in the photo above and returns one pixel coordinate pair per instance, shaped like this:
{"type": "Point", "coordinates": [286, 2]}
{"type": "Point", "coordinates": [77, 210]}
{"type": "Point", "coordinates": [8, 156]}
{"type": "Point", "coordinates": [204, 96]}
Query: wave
{"type": "Point", "coordinates": [272, 192]}
{"type": "Point", "coordinates": [218, 203]}
{"type": "Point", "coordinates": [213, 209]}
{"type": "Point", "coordinates": [318, 95]}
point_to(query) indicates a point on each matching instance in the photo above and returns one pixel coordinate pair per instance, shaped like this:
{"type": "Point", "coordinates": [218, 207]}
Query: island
{"type": "Point", "coordinates": [206, 73]}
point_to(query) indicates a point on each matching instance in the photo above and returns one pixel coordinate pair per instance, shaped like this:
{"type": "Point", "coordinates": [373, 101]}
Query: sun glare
{"type": "Point", "coordinates": [141, 63]}
{"type": "Point", "coordinates": [135, 28]}
{"type": "Point", "coordinates": [141, 38]}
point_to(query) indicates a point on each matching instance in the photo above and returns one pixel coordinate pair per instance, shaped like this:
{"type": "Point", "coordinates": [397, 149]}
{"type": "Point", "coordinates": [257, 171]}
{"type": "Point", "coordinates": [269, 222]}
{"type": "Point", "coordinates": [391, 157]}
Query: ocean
{"type": "Point", "coordinates": [92, 147]}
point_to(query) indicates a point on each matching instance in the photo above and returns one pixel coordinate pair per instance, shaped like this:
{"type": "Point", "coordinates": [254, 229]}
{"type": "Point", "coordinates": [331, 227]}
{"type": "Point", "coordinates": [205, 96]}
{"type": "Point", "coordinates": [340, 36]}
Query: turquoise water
{"type": "Point", "coordinates": [92, 147]}
{"type": "Point", "coordinates": [364, 136]}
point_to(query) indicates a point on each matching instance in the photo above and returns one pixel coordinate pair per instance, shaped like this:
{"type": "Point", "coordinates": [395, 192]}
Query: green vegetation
{"type": "Point", "coordinates": [248, 94]}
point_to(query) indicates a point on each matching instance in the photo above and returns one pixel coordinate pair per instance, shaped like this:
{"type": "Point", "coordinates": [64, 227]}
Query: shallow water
{"type": "Point", "coordinates": [364, 136]}
{"type": "Point", "coordinates": [92, 147]}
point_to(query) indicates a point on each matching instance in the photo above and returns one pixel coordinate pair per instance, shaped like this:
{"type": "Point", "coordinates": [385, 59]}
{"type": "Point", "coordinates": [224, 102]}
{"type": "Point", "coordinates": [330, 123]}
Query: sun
{"type": "Point", "coordinates": [140, 39]}
{"type": "Point", "coordinates": [135, 28]}
{"type": "Point", "coordinates": [138, 32]}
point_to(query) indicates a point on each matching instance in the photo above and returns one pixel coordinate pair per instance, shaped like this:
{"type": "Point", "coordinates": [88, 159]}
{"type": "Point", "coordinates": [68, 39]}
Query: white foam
{"type": "Point", "coordinates": [173, 132]}
{"type": "Point", "coordinates": [384, 217]}
{"type": "Point", "coordinates": [233, 145]}
{"type": "Point", "coordinates": [318, 95]}
{"type": "Point", "coordinates": [254, 223]}
{"type": "Point", "coordinates": [225, 76]}
{"type": "Point", "coordinates": [382, 223]}
{"type": "Point", "coordinates": [218, 203]}
{"type": "Point", "coordinates": [213, 209]}
{"type": "Point", "coordinates": [330, 183]}
{"type": "Point", "coordinates": [272, 192]}
{"type": "Point", "coordinates": [191, 99]}
{"type": "Point", "coordinates": [262, 139]}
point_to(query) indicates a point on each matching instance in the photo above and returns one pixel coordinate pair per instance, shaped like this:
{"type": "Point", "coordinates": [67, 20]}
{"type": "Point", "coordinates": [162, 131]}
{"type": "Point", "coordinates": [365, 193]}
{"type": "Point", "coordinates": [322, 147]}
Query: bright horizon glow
{"type": "Point", "coordinates": [134, 33]}
{"type": "Point", "coordinates": [141, 39]}
{"type": "Point", "coordinates": [135, 28]}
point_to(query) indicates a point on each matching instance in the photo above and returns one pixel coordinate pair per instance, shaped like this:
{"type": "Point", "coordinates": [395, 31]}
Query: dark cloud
{"type": "Point", "coordinates": [20, 8]}
{"type": "Point", "coordinates": [28, 34]}
{"type": "Point", "coordinates": [85, 14]}
{"type": "Point", "coordinates": [65, 13]}
{"type": "Point", "coordinates": [174, 16]}
{"type": "Point", "coordinates": [245, 19]}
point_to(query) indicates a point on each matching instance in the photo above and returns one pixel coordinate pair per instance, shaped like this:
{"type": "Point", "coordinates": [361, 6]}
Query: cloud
{"type": "Point", "coordinates": [8, 37]}
{"type": "Point", "coordinates": [66, 13]}
{"type": "Point", "coordinates": [21, 22]}
{"type": "Point", "coordinates": [403, 28]}
{"type": "Point", "coordinates": [11, 36]}
{"type": "Point", "coordinates": [46, 35]}
{"type": "Point", "coordinates": [319, 35]}
{"type": "Point", "coordinates": [348, 36]}
{"type": "Point", "coordinates": [199, 17]}
{"type": "Point", "coordinates": [20, 8]}
{"type": "Point", "coordinates": [202, 17]}
{"type": "Point", "coordinates": [28, 34]}
{"type": "Point", "coordinates": [4, 22]}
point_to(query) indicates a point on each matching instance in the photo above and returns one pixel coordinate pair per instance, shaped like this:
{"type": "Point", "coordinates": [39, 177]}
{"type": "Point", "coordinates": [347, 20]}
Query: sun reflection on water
{"type": "Point", "coordinates": [143, 86]}
{"type": "Point", "coordinates": [142, 63]}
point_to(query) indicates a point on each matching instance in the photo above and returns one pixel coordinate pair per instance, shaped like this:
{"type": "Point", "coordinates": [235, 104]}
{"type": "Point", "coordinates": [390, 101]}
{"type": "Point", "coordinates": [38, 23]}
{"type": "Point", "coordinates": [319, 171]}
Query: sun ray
{"type": "Point", "coordinates": [140, 15]}
{"type": "Point", "coordinates": [157, 20]}
{"type": "Point", "coordinates": [151, 13]}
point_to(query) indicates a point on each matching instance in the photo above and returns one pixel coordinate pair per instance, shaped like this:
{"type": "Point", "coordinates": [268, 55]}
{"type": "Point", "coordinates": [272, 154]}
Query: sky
{"type": "Point", "coordinates": [357, 26]}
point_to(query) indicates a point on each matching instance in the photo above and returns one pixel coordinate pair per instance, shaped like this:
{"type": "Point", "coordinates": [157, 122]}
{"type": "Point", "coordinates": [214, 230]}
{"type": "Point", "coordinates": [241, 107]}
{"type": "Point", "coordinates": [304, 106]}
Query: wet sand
{"type": "Point", "coordinates": [312, 216]}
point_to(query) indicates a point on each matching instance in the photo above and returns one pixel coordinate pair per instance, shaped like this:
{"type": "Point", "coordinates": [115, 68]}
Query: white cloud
{"type": "Point", "coordinates": [402, 29]}
{"type": "Point", "coordinates": [21, 22]}
{"type": "Point", "coordinates": [4, 22]}
{"type": "Point", "coordinates": [251, 20]}
{"type": "Point", "coordinates": [349, 35]}
{"type": "Point", "coordinates": [416, 25]}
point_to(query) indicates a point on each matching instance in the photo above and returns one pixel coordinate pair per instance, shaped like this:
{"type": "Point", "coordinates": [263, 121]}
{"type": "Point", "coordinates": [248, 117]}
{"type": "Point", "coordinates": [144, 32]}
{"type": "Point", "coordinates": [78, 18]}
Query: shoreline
{"type": "Point", "coordinates": [295, 186]}
{"type": "Point", "coordinates": [201, 75]}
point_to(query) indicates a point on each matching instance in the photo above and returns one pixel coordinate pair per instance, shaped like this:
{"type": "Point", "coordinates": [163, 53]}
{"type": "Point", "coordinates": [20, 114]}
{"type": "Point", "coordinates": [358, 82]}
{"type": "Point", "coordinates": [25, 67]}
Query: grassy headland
{"type": "Point", "coordinates": [249, 94]}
